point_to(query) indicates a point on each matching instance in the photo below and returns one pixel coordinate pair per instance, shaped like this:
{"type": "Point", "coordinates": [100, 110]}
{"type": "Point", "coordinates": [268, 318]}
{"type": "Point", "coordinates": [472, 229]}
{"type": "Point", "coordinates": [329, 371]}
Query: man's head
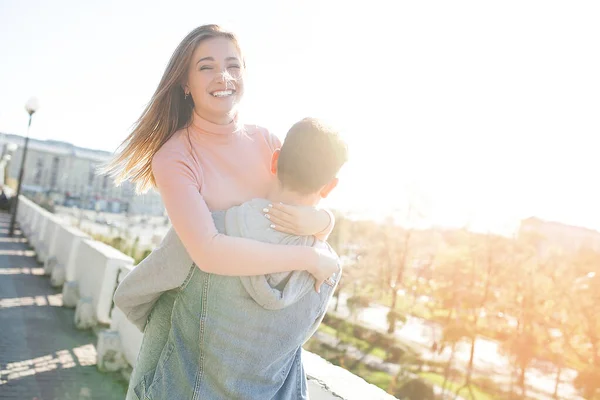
{"type": "Point", "coordinates": [310, 158]}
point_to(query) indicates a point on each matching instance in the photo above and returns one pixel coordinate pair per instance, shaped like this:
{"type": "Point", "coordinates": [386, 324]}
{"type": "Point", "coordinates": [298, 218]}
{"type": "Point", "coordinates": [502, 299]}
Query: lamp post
{"type": "Point", "coordinates": [31, 107]}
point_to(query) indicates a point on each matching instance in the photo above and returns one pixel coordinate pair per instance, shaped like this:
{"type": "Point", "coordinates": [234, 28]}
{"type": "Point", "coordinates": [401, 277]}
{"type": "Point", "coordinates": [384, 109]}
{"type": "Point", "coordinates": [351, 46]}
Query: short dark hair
{"type": "Point", "coordinates": [311, 156]}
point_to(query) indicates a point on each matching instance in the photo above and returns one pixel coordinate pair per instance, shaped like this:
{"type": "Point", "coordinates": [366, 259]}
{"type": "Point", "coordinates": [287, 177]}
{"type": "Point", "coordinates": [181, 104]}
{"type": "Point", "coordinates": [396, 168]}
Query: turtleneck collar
{"type": "Point", "coordinates": [203, 126]}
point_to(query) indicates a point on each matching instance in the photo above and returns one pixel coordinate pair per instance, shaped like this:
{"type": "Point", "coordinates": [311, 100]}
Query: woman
{"type": "Point", "coordinates": [190, 145]}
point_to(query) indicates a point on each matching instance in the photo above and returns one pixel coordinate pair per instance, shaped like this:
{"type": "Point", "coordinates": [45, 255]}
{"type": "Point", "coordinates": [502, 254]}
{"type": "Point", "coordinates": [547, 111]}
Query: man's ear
{"type": "Point", "coordinates": [274, 160]}
{"type": "Point", "coordinates": [328, 188]}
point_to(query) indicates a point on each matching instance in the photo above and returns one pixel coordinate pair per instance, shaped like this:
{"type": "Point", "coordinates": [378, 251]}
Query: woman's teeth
{"type": "Point", "coordinates": [222, 93]}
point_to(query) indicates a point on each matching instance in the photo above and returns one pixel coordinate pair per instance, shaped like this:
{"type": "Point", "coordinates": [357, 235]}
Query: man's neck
{"type": "Point", "coordinates": [286, 196]}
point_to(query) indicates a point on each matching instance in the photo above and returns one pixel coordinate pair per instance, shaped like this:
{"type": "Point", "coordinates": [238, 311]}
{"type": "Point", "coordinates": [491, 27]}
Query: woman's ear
{"type": "Point", "coordinates": [274, 160]}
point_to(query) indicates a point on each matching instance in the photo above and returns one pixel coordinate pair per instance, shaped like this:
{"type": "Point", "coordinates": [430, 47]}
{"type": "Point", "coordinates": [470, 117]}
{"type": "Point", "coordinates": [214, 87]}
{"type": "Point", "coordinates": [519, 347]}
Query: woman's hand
{"type": "Point", "coordinates": [297, 220]}
{"type": "Point", "coordinates": [328, 264]}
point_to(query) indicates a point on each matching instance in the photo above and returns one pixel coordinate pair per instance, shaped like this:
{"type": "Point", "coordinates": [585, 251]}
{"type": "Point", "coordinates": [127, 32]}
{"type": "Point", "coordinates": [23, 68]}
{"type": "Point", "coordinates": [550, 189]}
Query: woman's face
{"type": "Point", "coordinates": [215, 79]}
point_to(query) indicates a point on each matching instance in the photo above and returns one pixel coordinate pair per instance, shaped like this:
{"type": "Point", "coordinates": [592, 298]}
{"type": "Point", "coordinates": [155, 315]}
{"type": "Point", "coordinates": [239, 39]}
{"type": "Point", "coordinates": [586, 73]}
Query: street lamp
{"type": "Point", "coordinates": [31, 107]}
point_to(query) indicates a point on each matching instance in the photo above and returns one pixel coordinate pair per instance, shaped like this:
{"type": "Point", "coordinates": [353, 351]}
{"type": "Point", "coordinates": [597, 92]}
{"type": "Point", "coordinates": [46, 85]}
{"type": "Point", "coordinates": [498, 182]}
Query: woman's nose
{"type": "Point", "coordinates": [224, 76]}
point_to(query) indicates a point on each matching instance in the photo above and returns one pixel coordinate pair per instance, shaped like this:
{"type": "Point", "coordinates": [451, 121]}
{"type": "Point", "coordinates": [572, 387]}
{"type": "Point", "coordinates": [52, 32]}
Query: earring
{"type": "Point", "coordinates": [186, 95]}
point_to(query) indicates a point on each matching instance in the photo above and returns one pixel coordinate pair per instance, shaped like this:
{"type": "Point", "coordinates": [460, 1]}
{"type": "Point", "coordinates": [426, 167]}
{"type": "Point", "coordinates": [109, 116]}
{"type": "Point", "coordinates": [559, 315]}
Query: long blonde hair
{"type": "Point", "coordinates": [167, 112]}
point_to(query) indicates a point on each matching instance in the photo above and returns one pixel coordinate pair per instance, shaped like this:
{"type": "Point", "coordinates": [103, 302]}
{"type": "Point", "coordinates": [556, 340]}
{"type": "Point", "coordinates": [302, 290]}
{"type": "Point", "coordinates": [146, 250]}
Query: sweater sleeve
{"type": "Point", "coordinates": [324, 234]}
{"type": "Point", "coordinates": [212, 252]}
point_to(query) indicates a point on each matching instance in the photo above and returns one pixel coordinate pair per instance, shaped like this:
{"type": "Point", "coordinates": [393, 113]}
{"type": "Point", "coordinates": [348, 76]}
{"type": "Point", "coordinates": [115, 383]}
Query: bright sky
{"type": "Point", "coordinates": [485, 111]}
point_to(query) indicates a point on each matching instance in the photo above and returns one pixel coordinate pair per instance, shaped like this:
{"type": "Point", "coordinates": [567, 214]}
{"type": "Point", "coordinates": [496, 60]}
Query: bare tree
{"type": "Point", "coordinates": [488, 256]}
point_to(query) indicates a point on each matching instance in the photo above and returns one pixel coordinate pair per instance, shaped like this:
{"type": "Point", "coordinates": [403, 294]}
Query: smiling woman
{"type": "Point", "coordinates": [190, 144]}
{"type": "Point", "coordinates": [214, 80]}
{"type": "Point", "coordinates": [208, 59]}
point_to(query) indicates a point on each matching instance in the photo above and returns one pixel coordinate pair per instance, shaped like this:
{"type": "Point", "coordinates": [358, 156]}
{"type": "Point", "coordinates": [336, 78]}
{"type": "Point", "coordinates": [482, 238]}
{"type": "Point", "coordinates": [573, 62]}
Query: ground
{"type": "Point", "coordinates": [42, 355]}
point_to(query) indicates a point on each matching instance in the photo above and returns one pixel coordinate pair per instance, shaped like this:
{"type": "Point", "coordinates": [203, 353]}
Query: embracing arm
{"type": "Point", "coordinates": [301, 220]}
{"type": "Point", "coordinates": [213, 252]}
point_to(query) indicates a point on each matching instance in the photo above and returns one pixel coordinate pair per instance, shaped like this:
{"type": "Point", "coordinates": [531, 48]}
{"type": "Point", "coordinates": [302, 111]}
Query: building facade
{"type": "Point", "coordinates": [69, 176]}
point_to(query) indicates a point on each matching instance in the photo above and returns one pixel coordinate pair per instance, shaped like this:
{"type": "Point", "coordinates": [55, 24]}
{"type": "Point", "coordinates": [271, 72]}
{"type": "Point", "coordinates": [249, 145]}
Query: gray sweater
{"type": "Point", "coordinates": [168, 266]}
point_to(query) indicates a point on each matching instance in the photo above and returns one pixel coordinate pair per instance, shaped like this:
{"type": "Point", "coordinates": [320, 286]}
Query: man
{"type": "Point", "coordinates": [240, 337]}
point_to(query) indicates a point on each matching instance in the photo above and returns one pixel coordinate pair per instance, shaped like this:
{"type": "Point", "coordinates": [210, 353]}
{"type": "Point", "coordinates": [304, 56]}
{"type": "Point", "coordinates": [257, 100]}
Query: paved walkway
{"type": "Point", "coordinates": [42, 355]}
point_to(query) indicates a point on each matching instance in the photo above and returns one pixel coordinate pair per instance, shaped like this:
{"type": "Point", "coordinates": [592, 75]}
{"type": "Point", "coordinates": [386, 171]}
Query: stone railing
{"type": "Point", "coordinates": [89, 272]}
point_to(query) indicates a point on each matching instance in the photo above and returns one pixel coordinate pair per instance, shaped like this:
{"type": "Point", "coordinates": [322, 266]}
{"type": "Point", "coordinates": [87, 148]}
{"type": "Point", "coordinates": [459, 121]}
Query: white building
{"type": "Point", "coordinates": [69, 175]}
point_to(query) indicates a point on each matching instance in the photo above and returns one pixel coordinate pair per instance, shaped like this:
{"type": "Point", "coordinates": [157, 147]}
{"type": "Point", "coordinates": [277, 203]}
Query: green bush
{"type": "Point", "coordinates": [145, 254]}
{"type": "Point", "coordinates": [394, 355]}
{"type": "Point", "coordinates": [396, 316]}
{"type": "Point", "coordinates": [415, 389]}
{"type": "Point", "coordinates": [362, 333]}
{"type": "Point", "coordinates": [118, 243]}
{"type": "Point", "coordinates": [395, 350]}
{"type": "Point", "coordinates": [358, 302]}
{"type": "Point", "coordinates": [486, 384]}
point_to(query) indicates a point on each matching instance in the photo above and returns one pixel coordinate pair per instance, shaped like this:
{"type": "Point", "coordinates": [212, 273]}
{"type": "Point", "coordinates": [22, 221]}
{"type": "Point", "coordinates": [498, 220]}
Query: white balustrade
{"type": "Point", "coordinates": [97, 267]}
{"type": "Point", "coordinates": [328, 382]}
{"type": "Point", "coordinates": [36, 236]}
{"type": "Point", "coordinates": [60, 261]}
{"type": "Point", "coordinates": [47, 239]}
{"type": "Point", "coordinates": [42, 237]}
{"type": "Point", "coordinates": [24, 212]}
{"type": "Point", "coordinates": [130, 335]}
{"type": "Point", "coordinates": [30, 216]}
{"type": "Point", "coordinates": [93, 269]}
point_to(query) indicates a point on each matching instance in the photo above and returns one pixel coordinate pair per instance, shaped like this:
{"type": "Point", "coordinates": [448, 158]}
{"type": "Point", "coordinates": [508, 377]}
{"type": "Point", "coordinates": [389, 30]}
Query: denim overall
{"type": "Point", "coordinates": [229, 337]}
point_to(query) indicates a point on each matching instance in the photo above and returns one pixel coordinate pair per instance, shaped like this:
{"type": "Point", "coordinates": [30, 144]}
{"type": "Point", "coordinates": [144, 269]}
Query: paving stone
{"type": "Point", "coordinates": [42, 355]}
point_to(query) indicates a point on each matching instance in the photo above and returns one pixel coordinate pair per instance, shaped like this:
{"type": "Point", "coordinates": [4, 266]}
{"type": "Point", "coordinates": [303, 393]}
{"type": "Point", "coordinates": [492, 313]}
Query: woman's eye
{"type": "Point", "coordinates": [235, 66]}
{"type": "Point", "coordinates": [205, 67]}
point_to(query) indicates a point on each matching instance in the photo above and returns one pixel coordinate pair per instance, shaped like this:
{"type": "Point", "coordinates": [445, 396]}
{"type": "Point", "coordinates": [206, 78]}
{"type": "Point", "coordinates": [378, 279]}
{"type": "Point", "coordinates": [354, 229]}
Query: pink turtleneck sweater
{"type": "Point", "coordinates": [209, 167]}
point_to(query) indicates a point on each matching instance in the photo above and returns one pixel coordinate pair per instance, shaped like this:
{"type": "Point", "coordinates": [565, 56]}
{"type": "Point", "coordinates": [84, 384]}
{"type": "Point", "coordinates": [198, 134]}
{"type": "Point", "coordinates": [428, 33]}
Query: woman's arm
{"type": "Point", "coordinates": [216, 253]}
{"type": "Point", "coordinates": [301, 220]}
